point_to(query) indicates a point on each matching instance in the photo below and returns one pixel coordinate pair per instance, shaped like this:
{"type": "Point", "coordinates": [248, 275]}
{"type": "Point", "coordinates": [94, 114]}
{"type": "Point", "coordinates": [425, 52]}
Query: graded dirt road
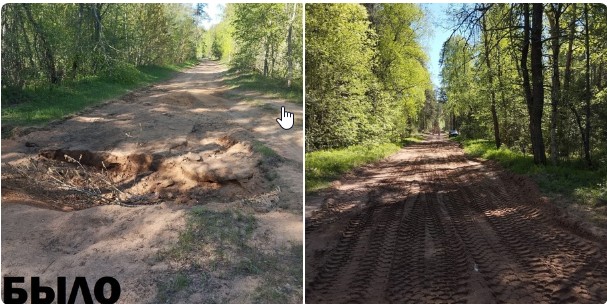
{"type": "Point", "coordinates": [143, 160]}
{"type": "Point", "coordinates": [428, 225]}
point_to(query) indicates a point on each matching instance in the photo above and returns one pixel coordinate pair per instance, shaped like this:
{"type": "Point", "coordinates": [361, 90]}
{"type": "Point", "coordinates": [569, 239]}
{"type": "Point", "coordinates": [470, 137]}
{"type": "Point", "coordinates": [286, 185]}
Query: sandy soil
{"type": "Point", "coordinates": [135, 166]}
{"type": "Point", "coordinates": [429, 225]}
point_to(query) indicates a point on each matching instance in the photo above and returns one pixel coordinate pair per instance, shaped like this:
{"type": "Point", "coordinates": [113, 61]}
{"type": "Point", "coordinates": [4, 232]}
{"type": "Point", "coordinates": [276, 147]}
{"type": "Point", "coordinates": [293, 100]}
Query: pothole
{"type": "Point", "coordinates": [227, 169]}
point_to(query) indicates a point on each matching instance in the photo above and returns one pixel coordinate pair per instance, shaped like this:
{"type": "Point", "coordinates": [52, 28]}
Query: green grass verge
{"type": "Point", "coordinates": [325, 166]}
{"type": "Point", "coordinates": [39, 105]}
{"type": "Point", "coordinates": [271, 86]}
{"type": "Point", "coordinates": [571, 179]}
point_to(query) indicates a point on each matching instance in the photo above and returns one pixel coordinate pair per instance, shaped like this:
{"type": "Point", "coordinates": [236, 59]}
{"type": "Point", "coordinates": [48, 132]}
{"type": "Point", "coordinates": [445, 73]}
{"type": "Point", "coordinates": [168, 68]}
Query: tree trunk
{"type": "Point", "coordinates": [569, 57]}
{"type": "Point", "coordinates": [554, 19]}
{"type": "Point", "coordinates": [505, 137]}
{"type": "Point", "coordinates": [96, 7]}
{"type": "Point", "coordinates": [588, 90]}
{"type": "Point", "coordinates": [537, 79]}
{"type": "Point", "coordinates": [48, 57]}
{"type": "Point", "coordinates": [566, 96]}
{"type": "Point", "coordinates": [265, 60]}
{"type": "Point", "coordinates": [273, 57]}
{"type": "Point", "coordinates": [290, 47]}
{"type": "Point", "coordinates": [534, 91]}
{"type": "Point", "coordinates": [496, 128]}
{"type": "Point", "coordinates": [77, 56]}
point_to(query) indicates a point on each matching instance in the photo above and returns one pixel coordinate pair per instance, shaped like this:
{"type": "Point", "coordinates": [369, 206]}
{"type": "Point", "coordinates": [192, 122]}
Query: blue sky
{"type": "Point", "coordinates": [439, 24]}
{"type": "Point", "coordinates": [215, 11]}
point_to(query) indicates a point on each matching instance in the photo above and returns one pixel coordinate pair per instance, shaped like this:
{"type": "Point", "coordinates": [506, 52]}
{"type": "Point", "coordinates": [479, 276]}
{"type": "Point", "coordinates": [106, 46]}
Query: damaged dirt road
{"type": "Point", "coordinates": [428, 225]}
{"type": "Point", "coordinates": [106, 191]}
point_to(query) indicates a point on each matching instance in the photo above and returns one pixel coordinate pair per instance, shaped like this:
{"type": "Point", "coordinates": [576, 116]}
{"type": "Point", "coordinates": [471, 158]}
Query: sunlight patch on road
{"type": "Point", "coordinates": [500, 212]}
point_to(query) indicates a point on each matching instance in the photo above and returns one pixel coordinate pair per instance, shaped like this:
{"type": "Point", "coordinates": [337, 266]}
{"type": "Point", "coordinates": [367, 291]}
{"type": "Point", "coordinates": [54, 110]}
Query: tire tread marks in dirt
{"type": "Point", "coordinates": [452, 230]}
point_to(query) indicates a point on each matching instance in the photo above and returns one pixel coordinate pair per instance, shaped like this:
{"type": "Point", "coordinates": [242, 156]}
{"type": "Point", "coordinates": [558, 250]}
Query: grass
{"type": "Point", "coordinates": [39, 105]}
{"type": "Point", "coordinates": [177, 283]}
{"type": "Point", "coordinates": [271, 86]}
{"type": "Point", "coordinates": [285, 278]}
{"type": "Point", "coordinates": [325, 166]}
{"type": "Point", "coordinates": [218, 234]}
{"type": "Point", "coordinates": [266, 151]}
{"type": "Point", "coordinates": [270, 160]}
{"type": "Point", "coordinates": [570, 179]}
{"type": "Point", "coordinates": [215, 246]}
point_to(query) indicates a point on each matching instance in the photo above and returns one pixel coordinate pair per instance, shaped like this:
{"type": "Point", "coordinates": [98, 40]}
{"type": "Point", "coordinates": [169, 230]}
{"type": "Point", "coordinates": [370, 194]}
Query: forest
{"type": "Point", "coordinates": [92, 51]}
{"type": "Point", "coordinates": [523, 84]}
{"type": "Point", "coordinates": [366, 75]}
{"type": "Point", "coordinates": [531, 78]}
{"type": "Point", "coordinates": [526, 76]}
{"type": "Point", "coordinates": [59, 43]}
{"type": "Point", "coordinates": [268, 36]}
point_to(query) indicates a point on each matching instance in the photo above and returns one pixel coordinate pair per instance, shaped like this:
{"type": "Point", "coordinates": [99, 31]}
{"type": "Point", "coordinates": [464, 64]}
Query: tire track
{"type": "Point", "coordinates": [447, 229]}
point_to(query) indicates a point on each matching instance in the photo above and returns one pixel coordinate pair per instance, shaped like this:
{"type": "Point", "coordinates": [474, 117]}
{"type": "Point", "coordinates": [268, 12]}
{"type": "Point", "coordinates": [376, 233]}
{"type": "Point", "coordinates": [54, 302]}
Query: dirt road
{"type": "Point", "coordinates": [142, 161]}
{"type": "Point", "coordinates": [428, 225]}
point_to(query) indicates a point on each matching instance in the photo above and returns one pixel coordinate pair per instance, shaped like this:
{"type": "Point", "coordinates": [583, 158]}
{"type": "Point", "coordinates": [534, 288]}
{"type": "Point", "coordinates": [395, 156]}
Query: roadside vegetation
{"type": "Point", "coordinates": [57, 59]}
{"type": "Point", "coordinates": [325, 166]}
{"type": "Point", "coordinates": [366, 75]}
{"type": "Point", "coordinates": [39, 105]}
{"type": "Point", "coordinates": [264, 41]}
{"type": "Point", "coordinates": [571, 179]}
{"type": "Point", "coordinates": [529, 77]}
{"type": "Point", "coordinates": [272, 87]}
{"type": "Point", "coordinates": [368, 89]}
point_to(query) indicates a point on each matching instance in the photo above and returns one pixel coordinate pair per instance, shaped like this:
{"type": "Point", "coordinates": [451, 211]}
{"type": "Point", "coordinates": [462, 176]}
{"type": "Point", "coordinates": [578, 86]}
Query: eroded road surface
{"type": "Point", "coordinates": [145, 159]}
{"type": "Point", "coordinates": [428, 225]}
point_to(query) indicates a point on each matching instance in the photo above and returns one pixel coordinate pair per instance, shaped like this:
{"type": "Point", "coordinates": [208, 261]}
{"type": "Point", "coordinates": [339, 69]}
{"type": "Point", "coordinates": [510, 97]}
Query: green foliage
{"type": "Point", "coordinates": [121, 73]}
{"type": "Point", "coordinates": [470, 84]}
{"type": "Point", "coordinates": [216, 48]}
{"type": "Point", "coordinates": [400, 65]}
{"type": "Point", "coordinates": [338, 62]}
{"type": "Point", "coordinates": [57, 43]}
{"type": "Point", "coordinates": [324, 166]}
{"type": "Point", "coordinates": [365, 73]}
{"type": "Point", "coordinates": [254, 39]}
{"type": "Point", "coordinates": [219, 38]}
{"type": "Point", "coordinates": [269, 39]}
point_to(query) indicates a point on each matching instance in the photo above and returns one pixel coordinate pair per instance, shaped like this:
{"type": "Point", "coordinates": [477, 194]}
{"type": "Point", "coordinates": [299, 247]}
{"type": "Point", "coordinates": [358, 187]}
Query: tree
{"type": "Point", "coordinates": [554, 16]}
{"type": "Point", "coordinates": [292, 17]}
{"type": "Point", "coordinates": [400, 67]}
{"type": "Point", "coordinates": [366, 75]}
{"type": "Point", "coordinates": [338, 61]}
{"type": "Point", "coordinates": [486, 42]}
{"type": "Point", "coordinates": [494, 63]}
{"type": "Point", "coordinates": [534, 90]}
{"type": "Point", "coordinates": [49, 43]}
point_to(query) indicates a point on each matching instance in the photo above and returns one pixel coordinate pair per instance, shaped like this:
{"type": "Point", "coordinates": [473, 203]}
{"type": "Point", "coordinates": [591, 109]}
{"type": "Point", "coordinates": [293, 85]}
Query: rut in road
{"type": "Point", "coordinates": [429, 225]}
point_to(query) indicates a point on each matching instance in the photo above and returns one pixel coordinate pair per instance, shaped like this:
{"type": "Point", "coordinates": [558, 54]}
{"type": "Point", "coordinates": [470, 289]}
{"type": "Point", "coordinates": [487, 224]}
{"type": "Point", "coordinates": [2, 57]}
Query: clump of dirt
{"type": "Point", "coordinates": [227, 167]}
